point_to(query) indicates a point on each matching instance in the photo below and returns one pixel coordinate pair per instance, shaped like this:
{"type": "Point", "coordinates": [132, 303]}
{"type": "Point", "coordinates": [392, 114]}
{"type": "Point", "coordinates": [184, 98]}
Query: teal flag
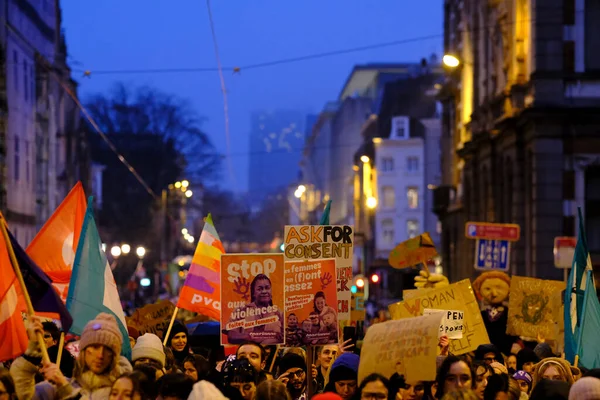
{"type": "Point", "coordinates": [574, 293]}
{"type": "Point", "coordinates": [588, 347]}
{"type": "Point", "coordinates": [325, 216]}
{"type": "Point", "coordinates": [93, 289]}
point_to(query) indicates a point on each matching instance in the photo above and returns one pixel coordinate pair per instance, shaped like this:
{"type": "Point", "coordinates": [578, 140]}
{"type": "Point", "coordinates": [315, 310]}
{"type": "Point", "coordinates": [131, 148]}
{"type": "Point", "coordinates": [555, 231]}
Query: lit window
{"type": "Point", "coordinates": [412, 228]}
{"type": "Point", "coordinates": [389, 197]}
{"type": "Point", "coordinates": [387, 164]}
{"type": "Point", "coordinates": [412, 164]}
{"type": "Point", "coordinates": [412, 197]}
{"type": "Point", "coordinates": [387, 232]}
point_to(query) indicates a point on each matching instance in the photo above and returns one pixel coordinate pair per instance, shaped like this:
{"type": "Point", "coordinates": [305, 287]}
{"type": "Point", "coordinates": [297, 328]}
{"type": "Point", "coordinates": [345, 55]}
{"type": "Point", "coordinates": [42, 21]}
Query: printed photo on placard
{"type": "Point", "coordinates": [311, 296]}
{"type": "Point", "coordinates": [252, 298]}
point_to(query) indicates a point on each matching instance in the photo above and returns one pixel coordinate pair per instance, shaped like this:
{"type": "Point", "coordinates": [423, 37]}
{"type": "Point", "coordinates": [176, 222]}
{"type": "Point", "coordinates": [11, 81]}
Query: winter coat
{"type": "Point", "coordinates": [85, 386]}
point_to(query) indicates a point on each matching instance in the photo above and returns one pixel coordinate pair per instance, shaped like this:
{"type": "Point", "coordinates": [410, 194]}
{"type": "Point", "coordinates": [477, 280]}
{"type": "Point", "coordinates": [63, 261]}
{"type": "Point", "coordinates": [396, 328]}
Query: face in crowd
{"type": "Point", "coordinates": [252, 353]}
{"type": "Point", "coordinates": [327, 355]}
{"type": "Point", "coordinates": [98, 358]}
{"type": "Point", "coordinates": [179, 341]}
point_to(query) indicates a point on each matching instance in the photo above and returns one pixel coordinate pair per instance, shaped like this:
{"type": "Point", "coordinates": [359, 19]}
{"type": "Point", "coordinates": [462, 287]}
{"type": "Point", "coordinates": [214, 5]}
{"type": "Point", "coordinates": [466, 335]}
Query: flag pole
{"type": "Point", "coordinates": [15, 265]}
{"type": "Point", "coordinates": [61, 345]}
{"type": "Point", "coordinates": [170, 326]}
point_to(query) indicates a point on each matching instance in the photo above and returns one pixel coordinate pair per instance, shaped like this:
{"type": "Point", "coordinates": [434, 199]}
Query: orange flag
{"type": "Point", "coordinates": [53, 248]}
{"type": "Point", "coordinates": [12, 328]}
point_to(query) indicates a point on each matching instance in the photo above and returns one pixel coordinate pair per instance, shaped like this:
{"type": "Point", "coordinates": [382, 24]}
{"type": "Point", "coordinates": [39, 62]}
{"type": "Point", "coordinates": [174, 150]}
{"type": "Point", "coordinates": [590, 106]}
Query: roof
{"type": "Point", "coordinates": [363, 75]}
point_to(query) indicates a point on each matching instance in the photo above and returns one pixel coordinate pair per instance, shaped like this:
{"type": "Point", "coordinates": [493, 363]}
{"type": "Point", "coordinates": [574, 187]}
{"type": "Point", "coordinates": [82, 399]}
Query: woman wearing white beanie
{"type": "Point", "coordinates": [587, 388]}
{"type": "Point", "coordinates": [149, 350]}
{"type": "Point", "coordinates": [99, 364]}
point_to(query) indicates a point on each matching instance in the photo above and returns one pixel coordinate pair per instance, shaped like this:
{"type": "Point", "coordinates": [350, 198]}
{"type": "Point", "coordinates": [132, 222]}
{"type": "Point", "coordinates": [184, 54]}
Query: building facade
{"type": "Point", "coordinates": [43, 148]}
{"type": "Point", "coordinates": [520, 123]}
{"type": "Point", "coordinates": [276, 142]}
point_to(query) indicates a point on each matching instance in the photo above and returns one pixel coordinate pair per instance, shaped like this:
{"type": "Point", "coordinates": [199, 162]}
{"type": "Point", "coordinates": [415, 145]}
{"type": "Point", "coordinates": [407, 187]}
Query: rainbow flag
{"type": "Point", "coordinates": [201, 292]}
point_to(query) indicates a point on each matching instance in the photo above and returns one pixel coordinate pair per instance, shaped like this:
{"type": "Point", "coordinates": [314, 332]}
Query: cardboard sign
{"type": "Point", "coordinates": [530, 307]}
{"type": "Point", "coordinates": [310, 242]}
{"type": "Point", "coordinates": [452, 324]}
{"type": "Point", "coordinates": [411, 341]}
{"type": "Point", "coordinates": [310, 292]}
{"type": "Point", "coordinates": [413, 252]}
{"type": "Point", "coordinates": [412, 293]}
{"type": "Point", "coordinates": [152, 318]}
{"type": "Point", "coordinates": [358, 308]}
{"type": "Point", "coordinates": [252, 298]}
{"type": "Point", "coordinates": [457, 296]}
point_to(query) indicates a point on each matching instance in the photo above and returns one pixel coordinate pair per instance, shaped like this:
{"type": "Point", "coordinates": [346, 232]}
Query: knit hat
{"type": "Point", "coordinates": [289, 361]}
{"type": "Point", "coordinates": [327, 396]}
{"type": "Point", "coordinates": [523, 376]}
{"type": "Point", "coordinates": [543, 350]}
{"type": "Point", "coordinates": [102, 330]}
{"type": "Point", "coordinates": [149, 346]}
{"type": "Point", "coordinates": [525, 356]}
{"type": "Point", "coordinates": [345, 367]}
{"type": "Point", "coordinates": [205, 390]}
{"type": "Point", "coordinates": [585, 389]}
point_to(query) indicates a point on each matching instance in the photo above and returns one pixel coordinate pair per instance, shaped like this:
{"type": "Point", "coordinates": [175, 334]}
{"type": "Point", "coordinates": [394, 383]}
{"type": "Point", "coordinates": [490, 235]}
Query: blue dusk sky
{"type": "Point", "coordinates": [160, 34]}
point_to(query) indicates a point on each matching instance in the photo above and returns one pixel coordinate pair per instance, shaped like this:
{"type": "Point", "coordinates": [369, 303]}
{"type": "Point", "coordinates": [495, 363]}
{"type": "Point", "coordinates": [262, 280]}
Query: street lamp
{"type": "Point", "coordinates": [184, 231]}
{"type": "Point", "coordinates": [177, 185]}
{"type": "Point", "coordinates": [365, 159]}
{"type": "Point", "coordinates": [185, 184]}
{"type": "Point", "coordinates": [115, 251]}
{"type": "Point", "coordinates": [125, 248]}
{"type": "Point", "coordinates": [450, 61]}
{"type": "Point", "coordinates": [371, 202]}
{"type": "Point", "coordinates": [190, 239]}
{"type": "Point", "coordinates": [188, 193]}
{"type": "Point", "coordinates": [140, 251]}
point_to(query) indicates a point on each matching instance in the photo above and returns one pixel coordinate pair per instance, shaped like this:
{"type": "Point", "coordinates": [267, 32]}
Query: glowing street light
{"type": "Point", "coordinates": [145, 282]}
{"type": "Point", "coordinates": [185, 183]}
{"type": "Point", "coordinates": [365, 159]}
{"type": "Point", "coordinates": [140, 251]}
{"type": "Point", "coordinates": [190, 239]}
{"type": "Point", "coordinates": [184, 231]}
{"type": "Point", "coordinates": [125, 248]}
{"type": "Point", "coordinates": [374, 278]}
{"type": "Point", "coordinates": [177, 185]}
{"type": "Point", "coordinates": [115, 251]}
{"type": "Point", "coordinates": [360, 283]}
{"type": "Point", "coordinates": [188, 193]}
{"type": "Point", "coordinates": [371, 202]}
{"type": "Point", "coordinates": [450, 61]}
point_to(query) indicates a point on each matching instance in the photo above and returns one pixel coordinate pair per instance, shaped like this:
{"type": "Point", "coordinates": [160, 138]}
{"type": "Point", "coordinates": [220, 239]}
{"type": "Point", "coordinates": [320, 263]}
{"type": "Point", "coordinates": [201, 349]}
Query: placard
{"type": "Point", "coordinates": [152, 318]}
{"type": "Point", "coordinates": [457, 296]}
{"type": "Point", "coordinates": [411, 341]}
{"type": "Point", "coordinates": [310, 293]}
{"type": "Point", "coordinates": [252, 298]}
{"type": "Point", "coordinates": [530, 307]}
{"type": "Point", "coordinates": [309, 242]}
{"type": "Point", "coordinates": [452, 324]}
{"type": "Point", "coordinates": [412, 252]}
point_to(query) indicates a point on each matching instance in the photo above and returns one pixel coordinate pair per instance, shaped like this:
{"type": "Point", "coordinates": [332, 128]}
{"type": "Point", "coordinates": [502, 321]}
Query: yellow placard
{"type": "Point", "coordinates": [413, 252]}
{"type": "Point", "coordinates": [457, 296]}
{"type": "Point", "coordinates": [411, 341]}
{"type": "Point", "coordinates": [412, 293]}
{"type": "Point", "coordinates": [530, 310]}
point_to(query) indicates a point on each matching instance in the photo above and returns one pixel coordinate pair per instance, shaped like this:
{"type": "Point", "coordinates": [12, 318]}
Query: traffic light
{"type": "Point", "coordinates": [375, 278]}
{"type": "Point", "coordinates": [360, 285]}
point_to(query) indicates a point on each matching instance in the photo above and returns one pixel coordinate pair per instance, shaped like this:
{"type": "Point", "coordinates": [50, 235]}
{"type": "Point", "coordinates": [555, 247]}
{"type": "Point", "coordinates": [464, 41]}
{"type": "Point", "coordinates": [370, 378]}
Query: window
{"type": "Point", "coordinates": [17, 160]}
{"type": "Point", "coordinates": [412, 197]}
{"type": "Point", "coordinates": [389, 197]}
{"type": "Point", "coordinates": [387, 164]}
{"type": "Point", "coordinates": [412, 228]}
{"type": "Point", "coordinates": [400, 128]}
{"type": "Point", "coordinates": [16, 70]}
{"type": "Point", "coordinates": [412, 164]}
{"type": "Point", "coordinates": [387, 232]}
{"type": "Point", "coordinates": [25, 82]}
